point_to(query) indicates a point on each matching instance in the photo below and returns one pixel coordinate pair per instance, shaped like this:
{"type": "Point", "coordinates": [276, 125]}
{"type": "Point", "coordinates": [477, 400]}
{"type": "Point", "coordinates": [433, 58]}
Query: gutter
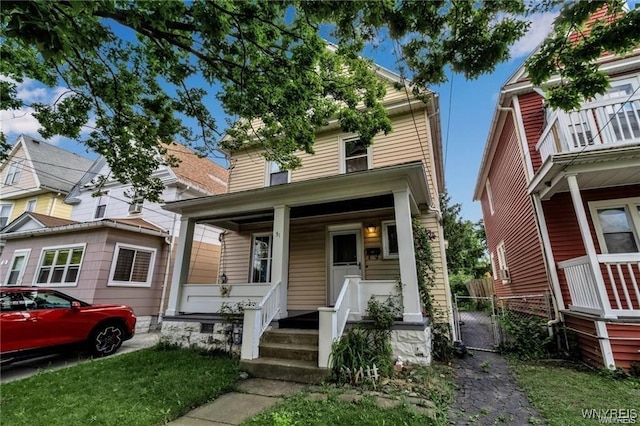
{"type": "Point", "coordinates": [83, 226]}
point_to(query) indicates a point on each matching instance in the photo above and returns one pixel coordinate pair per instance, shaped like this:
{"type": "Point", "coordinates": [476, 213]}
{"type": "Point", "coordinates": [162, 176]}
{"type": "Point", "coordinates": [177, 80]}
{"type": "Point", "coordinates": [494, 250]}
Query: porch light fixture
{"type": "Point", "coordinates": [371, 229]}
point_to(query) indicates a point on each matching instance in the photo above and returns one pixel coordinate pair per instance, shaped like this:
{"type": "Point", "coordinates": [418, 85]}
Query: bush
{"type": "Point", "coordinates": [526, 336]}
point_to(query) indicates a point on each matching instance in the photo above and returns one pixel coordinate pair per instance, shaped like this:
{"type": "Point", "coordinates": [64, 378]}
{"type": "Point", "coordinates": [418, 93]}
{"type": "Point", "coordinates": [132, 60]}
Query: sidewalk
{"type": "Point", "coordinates": [253, 396]}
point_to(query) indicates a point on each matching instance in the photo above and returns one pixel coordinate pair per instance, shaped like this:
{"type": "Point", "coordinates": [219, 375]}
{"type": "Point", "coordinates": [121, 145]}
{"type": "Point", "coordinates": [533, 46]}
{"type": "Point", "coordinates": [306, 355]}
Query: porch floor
{"type": "Point", "coordinates": [309, 321]}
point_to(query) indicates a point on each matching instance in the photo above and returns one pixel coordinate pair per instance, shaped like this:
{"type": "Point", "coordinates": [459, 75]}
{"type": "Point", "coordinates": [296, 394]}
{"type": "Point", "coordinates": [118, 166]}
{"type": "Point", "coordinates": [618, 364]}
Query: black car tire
{"type": "Point", "coordinates": [106, 339]}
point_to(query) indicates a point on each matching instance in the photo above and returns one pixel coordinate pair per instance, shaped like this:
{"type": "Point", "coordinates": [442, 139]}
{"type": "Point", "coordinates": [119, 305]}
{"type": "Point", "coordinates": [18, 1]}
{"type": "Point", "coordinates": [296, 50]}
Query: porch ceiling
{"type": "Point", "coordinates": [334, 194]}
{"type": "Point", "coordinates": [603, 168]}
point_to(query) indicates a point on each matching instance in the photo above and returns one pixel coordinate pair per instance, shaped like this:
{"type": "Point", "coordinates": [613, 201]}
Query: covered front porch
{"type": "Point", "coordinates": [325, 246]}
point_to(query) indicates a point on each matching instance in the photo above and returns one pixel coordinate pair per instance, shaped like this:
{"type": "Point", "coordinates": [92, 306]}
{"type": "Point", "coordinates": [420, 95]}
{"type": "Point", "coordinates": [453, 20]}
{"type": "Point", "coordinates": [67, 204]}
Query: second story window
{"type": "Point", "coordinates": [13, 174]}
{"type": "Point", "coordinates": [5, 213]}
{"type": "Point", "coordinates": [101, 206]}
{"type": "Point", "coordinates": [136, 203]}
{"type": "Point", "coordinates": [356, 156]}
{"type": "Point", "coordinates": [31, 206]}
{"type": "Point", "coordinates": [275, 174]}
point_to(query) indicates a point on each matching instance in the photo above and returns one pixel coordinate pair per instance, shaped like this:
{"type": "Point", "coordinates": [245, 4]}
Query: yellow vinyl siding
{"type": "Point", "coordinates": [398, 147]}
{"type": "Point", "coordinates": [203, 267]}
{"type": "Point", "coordinates": [27, 177]}
{"type": "Point", "coordinates": [441, 288]}
{"type": "Point", "coordinates": [49, 204]}
{"type": "Point", "coordinates": [307, 267]}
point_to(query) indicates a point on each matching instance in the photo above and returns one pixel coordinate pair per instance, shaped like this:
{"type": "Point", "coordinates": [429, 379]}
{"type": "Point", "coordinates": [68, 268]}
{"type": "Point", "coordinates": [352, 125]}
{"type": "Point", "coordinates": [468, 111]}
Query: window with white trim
{"type": "Point", "coordinates": [60, 266]}
{"type": "Point", "coordinates": [13, 174]}
{"type": "Point", "coordinates": [261, 252]}
{"type": "Point", "coordinates": [17, 266]}
{"type": "Point", "coordinates": [132, 266]}
{"type": "Point", "coordinates": [31, 205]}
{"type": "Point", "coordinates": [493, 266]}
{"type": "Point", "coordinates": [5, 214]}
{"type": "Point", "coordinates": [355, 155]}
{"type": "Point", "coordinates": [489, 195]}
{"type": "Point", "coordinates": [275, 175]}
{"type": "Point", "coordinates": [389, 240]}
{"type": "Point", "coordinates": [101, 205]}
{"type": "Point", "coordinates": [503, 272]}
{"type": "Point", "coordinates": [617, 225]}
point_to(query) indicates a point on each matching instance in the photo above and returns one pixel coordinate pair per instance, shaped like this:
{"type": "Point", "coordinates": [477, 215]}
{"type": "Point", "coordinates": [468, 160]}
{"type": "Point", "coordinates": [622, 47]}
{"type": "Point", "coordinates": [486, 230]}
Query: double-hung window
{"type": "Point", "coordinates": [13, 174]}
{"type": "Point", "coordinates": [275, 174]}
{"type": "Point", "coordinates": [17, 267]}
{"type": "Point", "coordinates": [132, 266]}
{"type": "Point", "coordinates": [5, 213]}
{"type": "Point", "coordinates": [60, 266]}
{"type": "Point", "coordinates": [101, 205]}
{"type": "Point", "coordinates": [31, 205]}
{"type": "Point", "coordinates": [504, 274]}
{"type": "Point", "coordinates": [261, 251]}
{"type": "Point", "coordinates": [356, 156]}
{"type": "Point", "coordinates": [617, 224]}
{"type": "Point", "coordinates": [389, 239]}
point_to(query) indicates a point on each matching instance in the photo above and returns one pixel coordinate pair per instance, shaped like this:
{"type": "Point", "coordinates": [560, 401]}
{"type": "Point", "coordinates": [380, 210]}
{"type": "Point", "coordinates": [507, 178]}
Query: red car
{"type": "Point", "coordinates": [35, 321]}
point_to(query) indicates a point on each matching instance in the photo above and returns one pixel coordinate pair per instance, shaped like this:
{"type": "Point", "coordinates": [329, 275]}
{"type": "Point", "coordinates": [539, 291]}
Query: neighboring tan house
{"type": "Point", "coordinates": [319, 241]}
{"type": "Point", "coordinates": [36, 177]}
{"type": "Point", "coordinates": [119, 247]}
{"type": "Point", "coordinates": [560, 194]}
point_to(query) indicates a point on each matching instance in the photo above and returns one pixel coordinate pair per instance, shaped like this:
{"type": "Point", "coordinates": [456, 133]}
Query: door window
{"type": "Point", "coordinates": [261, 258]}
{"type": "Point", "coordinates": [345, 249]}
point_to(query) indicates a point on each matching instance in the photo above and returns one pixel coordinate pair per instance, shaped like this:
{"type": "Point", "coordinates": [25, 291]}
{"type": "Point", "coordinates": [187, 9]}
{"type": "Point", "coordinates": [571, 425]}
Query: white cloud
{"type": "Point", "coordinates": [15, 122]}
{"type": "Point", "coordinates": [541, 25]}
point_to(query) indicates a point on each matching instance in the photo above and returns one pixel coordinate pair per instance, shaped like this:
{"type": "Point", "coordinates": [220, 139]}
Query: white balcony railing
{"type": "Point", "coordinates": [607, 122]}
{"type": "Point", "coordinates": [619, 289]}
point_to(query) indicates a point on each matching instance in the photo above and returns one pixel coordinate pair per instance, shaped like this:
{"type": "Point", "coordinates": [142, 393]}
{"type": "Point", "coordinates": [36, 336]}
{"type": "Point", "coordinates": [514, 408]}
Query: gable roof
{"type": "Point", "coordinates": [57, 169]}
{"type": "Point", "coordinates": [37, 220]}
{"type": "Point", "coordinates": [198, 171]}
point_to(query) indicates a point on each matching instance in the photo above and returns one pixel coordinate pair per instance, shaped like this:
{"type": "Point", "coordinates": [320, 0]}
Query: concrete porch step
{"type": "Point", "coordinates": [289, 351]}
{"type": "Point", "coordinates": [291, 336]}
{"type": "Point", "coordinates": [285, 369]}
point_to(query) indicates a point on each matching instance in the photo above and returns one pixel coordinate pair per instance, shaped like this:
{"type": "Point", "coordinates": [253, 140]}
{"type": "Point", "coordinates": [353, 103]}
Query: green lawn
{"type": "Point", "coordinates": [147, 387]}
{"type": "Point", "coordinates": [561, 393]}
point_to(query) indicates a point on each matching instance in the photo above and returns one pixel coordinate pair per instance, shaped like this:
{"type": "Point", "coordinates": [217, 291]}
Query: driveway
{"type": "Point", "coordinates": [27, 368]}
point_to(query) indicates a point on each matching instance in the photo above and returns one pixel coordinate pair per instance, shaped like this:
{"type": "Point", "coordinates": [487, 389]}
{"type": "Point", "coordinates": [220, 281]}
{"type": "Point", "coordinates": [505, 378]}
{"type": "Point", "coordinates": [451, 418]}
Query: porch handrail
{"type": "Point", "coordinates": [582, 285]}
{"type": "Point", "coordinates": [621, 274]}
{"type": "Point", "coordinates": [573, 262]}
{"type": "Point", "coordinates": [333, 321]}
{"type": "Point", "coordinates": [256, 320]}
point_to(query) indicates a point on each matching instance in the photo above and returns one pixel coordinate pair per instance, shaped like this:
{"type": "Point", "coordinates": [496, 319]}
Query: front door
{"type": "Point", "coordinates": [345, 258]}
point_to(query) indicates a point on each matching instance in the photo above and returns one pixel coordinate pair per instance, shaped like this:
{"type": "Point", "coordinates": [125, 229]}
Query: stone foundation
{"type": "Point", "coordinates": [146, 324]}
{"type": "Point", "coordinates": [209, 336]}
{"type": "Point", "coordinates": [413, 346]}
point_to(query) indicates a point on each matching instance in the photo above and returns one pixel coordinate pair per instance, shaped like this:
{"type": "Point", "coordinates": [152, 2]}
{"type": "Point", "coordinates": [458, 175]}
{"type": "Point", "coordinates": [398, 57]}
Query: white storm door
{"type": "Point", "coordinates": [345, 258]}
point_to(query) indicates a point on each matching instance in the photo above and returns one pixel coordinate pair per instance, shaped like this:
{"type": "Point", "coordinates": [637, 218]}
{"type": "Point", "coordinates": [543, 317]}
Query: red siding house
{"type": "Point", "coordinates": [560, 194]}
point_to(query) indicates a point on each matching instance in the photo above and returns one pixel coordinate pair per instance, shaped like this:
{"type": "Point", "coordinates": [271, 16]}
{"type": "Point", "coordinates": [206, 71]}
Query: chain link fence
{"type": "Point", "coordinates": [522, 321]}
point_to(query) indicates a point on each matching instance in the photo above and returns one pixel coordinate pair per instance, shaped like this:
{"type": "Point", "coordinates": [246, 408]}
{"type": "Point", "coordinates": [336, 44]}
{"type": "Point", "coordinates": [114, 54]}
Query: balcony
{"type": "Point", "coordinates": [610, 122]}
{"type": "Point", "coordinates": [611, 292]}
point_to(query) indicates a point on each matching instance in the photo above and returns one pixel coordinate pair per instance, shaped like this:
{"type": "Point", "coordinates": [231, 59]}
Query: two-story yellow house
{"type": "Point", "coordinates": [309, 247]}
{"type": "Point", "coordinates": [36, 177]}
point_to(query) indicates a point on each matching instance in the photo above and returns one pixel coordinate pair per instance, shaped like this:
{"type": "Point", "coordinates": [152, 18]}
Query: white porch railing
{"type": "Point", "coordinates": [605, 122]}
{"type": "Point", "coordinates": [620, 286]}
{"type": "Point", "coordinates": [256, 320]}
{"type": "Point", "coordinates": [208, 298]}
{"type": "Point", "coordinates": [350, 304]}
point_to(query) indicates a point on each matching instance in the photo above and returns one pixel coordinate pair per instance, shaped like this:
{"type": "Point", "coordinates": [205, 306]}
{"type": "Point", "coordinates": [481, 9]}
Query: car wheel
{"type": "Point", "coordinates": [106, 339]}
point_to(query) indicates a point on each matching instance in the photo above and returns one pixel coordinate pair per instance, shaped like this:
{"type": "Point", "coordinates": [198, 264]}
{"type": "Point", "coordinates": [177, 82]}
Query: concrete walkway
{"type": "Point", "coordinates": [253, 396]}
{"type": "Point", "coordinates": [488, 394]}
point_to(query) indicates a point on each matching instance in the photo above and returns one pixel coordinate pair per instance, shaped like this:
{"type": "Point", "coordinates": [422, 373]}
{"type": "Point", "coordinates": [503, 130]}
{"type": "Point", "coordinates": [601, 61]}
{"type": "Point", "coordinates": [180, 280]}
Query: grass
{"type": "Point", "coordinates": [561, 392]}
{"type": "Point", "coordinates": [147, 387]}
{"type": "Point", "coordinates": [434, 383]}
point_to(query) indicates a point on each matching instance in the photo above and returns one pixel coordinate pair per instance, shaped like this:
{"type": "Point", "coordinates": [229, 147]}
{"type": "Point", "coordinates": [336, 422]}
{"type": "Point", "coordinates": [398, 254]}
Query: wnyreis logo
{"type": "Point", "coordinates": [611, 415]}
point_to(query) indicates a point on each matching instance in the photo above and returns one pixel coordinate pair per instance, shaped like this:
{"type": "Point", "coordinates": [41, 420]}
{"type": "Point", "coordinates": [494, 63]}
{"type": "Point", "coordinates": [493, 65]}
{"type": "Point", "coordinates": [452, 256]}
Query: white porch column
{"type": "Point", "coordinates": [181, 264]}
{"type": "Point", "coordinates": [408, 275]}
{"type": "Point", "coordinates": [280, 255]}
{"type": "Point", "coordinates": [583, 223]}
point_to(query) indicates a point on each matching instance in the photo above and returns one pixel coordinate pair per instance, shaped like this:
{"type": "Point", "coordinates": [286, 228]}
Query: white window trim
{"type": "Point", "coordinates": [26, 253]}
{"type": "Point", "coordinates": [15, 169]}
{"type": "Point", "coordinates": [631, 203]}
{"type": "Point", "coordinates": [267, 173]}
{"type": "Point", "coordinates": [114, 259]}
{"type": "Point", "coordinates": [502, 262]}
{"type": "Point", "coordinates": [493, 266]}
{"type": "Point", "coordinates": [253, 237]}
{"type": "Point", "coordinates": [487, 186]}
{"type": "Point", "coordinates": [60, 247]}
{"type": "Point", "coordinates": [10, 212]}
{"type": "Point", "coordinates": [106, 205]}
{"type": "Point", "coordinates": [342, 157]}
{"type": "Point", "coordinates": [35, 204]}
{"type": "Point", "coordinates": [385, 240]}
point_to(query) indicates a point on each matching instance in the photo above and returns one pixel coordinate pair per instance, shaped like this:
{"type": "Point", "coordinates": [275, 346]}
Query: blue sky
{"type": "Point", "coordinates": [466, 110]}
